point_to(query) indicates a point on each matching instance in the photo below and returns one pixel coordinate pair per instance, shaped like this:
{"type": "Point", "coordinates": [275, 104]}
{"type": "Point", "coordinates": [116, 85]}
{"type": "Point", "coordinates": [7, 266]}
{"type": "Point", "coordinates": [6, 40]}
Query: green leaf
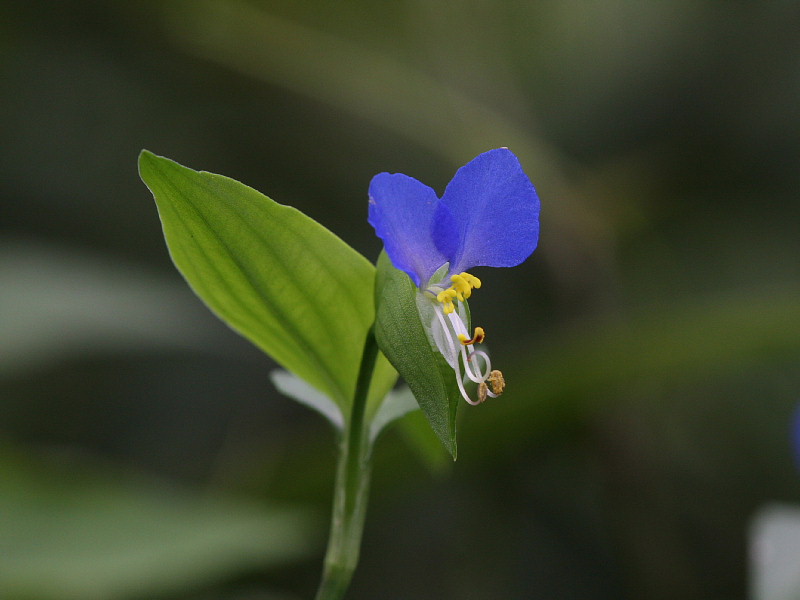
{"type": "Point", "coordinates": [273, 274]}
{"type": "Point", "coordinates": [401, 337]}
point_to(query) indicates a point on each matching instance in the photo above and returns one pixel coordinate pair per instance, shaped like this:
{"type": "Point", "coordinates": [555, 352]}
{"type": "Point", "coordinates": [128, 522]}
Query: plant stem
{"type": "Point", "coordinates": [351, 488]}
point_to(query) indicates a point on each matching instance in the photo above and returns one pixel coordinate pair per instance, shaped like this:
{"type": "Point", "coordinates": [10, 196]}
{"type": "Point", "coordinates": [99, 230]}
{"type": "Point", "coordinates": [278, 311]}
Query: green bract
{"type": "Point", "coordinates": [402, 338]}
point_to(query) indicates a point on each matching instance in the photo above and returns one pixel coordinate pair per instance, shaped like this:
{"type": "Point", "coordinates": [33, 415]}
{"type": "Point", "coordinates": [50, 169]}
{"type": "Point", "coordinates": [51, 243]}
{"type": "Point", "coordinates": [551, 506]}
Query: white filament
{"type": "Point", "coordinates": [469, 355]}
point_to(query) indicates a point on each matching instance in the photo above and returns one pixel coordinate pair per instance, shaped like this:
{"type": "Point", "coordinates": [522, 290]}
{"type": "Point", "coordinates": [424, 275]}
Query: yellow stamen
{"type": "Point", "coordinates": [446, 295]}
{"type": "Point", "coordinates": [477, 337]}
{"type": "Point", "coordinates": [472, 280]}
{"type": "Point", "coordinates": [446, 298]}
{"type": "Point", "coordinates": [463, 284]}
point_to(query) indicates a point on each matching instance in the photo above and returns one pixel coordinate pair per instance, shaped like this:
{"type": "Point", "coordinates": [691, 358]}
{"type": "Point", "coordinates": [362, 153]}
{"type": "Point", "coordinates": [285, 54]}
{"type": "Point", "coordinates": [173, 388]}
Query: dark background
{"type": "Point", "coordinates": [650, 344]}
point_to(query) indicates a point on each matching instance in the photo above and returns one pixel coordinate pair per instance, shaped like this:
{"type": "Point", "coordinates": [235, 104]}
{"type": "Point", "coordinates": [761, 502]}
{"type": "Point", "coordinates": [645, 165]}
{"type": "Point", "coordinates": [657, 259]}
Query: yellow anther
{"type": "Point", "coordinates": [497, 382]}
{"type": "Point", "coordinates": [446, 298]}
{"type": "Point", "coordinates": [446, 295]}
{"type": "Point", "coordinates": [472, 280]}
{"type": "Point", "coordinates": [458, 287]}
{"type": "Point", "coordinates": [463, 284]}
{"type": "Point", "coordinates": [477, 337]}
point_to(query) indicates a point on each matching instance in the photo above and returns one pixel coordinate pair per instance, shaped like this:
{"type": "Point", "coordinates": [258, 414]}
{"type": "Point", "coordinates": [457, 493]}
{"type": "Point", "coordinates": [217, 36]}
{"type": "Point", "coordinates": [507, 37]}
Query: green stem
{"type": "Point", "coordinates": [351, 488]}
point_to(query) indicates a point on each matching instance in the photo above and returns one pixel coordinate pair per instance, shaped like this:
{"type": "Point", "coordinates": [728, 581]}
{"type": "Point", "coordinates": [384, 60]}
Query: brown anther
{"type": "Point", "coordinates": [482, 391]}
{"type": "Point", "coordinates": [497, 382]}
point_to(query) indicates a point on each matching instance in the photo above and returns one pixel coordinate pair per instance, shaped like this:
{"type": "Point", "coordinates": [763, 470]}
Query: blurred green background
{"type": "Point", "coordinates": [650, 345]}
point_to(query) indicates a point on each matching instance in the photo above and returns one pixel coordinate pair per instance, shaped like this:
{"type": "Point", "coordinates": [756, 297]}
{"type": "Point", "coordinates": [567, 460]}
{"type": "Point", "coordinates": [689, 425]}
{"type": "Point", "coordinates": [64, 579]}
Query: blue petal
{"type": "Point", "coordinates": [401, 210]}
{"type": "Point", "coordinates": [489, 214]}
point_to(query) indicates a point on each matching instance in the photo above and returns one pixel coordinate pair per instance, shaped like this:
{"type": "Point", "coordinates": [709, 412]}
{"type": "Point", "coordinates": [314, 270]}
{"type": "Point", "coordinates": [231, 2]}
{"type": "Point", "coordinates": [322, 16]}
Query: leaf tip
{"type": "Point", "coordinates": [145, 158]}
{"type": "Point", "coordinates": [145, 155]}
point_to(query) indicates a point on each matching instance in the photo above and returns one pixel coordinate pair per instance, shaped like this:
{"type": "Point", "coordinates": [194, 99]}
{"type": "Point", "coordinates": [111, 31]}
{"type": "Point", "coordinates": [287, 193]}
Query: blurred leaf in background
{"type": "Point", "coordinates": [86, 532]}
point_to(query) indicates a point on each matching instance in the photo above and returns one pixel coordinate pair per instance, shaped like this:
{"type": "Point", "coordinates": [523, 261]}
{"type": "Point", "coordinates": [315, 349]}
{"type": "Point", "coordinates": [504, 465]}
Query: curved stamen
{"type": "Point", "coordinates": [466, 350]}
{"type": "Point", "coordinates": [464, 392]}
{"type": "Point", "coordinates": [455, 332]}
{"type": "Point", "coordinates": [454, 353]}
{"type": "Point", "coordinates": [486, 363]}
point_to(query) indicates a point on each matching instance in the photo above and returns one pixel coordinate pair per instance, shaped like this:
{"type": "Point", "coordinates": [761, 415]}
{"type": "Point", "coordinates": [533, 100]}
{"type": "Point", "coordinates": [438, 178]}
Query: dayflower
{"type": "Point", "coordinates": [488, 216]}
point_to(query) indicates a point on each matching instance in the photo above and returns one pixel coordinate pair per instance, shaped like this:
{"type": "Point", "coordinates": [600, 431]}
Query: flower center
{"type": "Point", "coordinates": [461, 289]}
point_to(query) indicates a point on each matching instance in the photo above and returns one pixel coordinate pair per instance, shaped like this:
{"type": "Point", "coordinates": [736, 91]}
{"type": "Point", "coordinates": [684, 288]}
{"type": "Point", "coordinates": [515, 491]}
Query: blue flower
{"type": "Point", "coordinates": [488, 216]}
